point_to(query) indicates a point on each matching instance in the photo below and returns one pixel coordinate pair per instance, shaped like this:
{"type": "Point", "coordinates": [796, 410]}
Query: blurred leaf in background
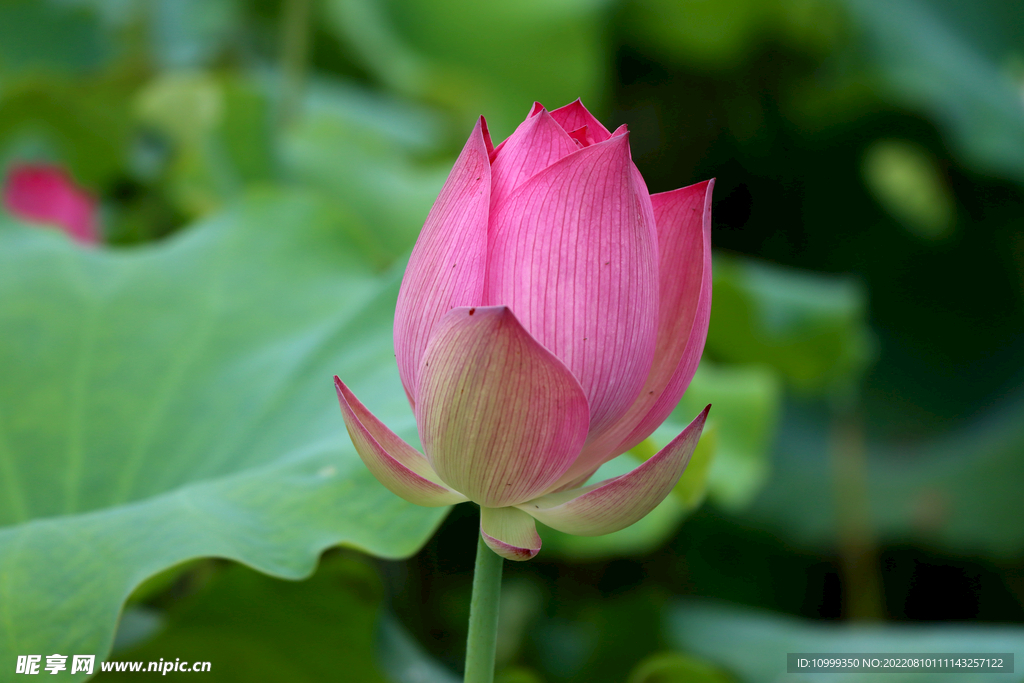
{"type": "Point", "coordinates": [753, 644]}
{"type": "Point", "coordinates": [730, 464]}
{"type": "Point", "coordinates": [810, 328]}
{"type": "Point", "coordinates": [746, 401]}
{"type": "Point", "coordinates": [721, 36]}
{"type": "Point", "coordinates": [186, 34]}
{"type": "Point", "coordinates": [174, 401]}
{"type": "Point", "coordinates": [905, 180]}
{"type": "Point", "coordinates": [951, 61]}
{"type": "Point", "coordinates": [602, 638]}
{"type": "Point", "coordinates": [402, 660]}
{"type": "Point", "coordinates": [253, 627]}
{"type": "Point", "coordinates": [959, 491]}
{"type": "Point", "coordinates": [671, 667]}
{"type": "Point", "coordinates": [51, 36]}
{"type": "Point", "coordinates": [276, 629]}
{"type": "Point", "coordinates": [85, 124]}
{"type": "Point", "coordinates": [372, 153]}
{"type": "Point", "coordinates": [193, 113]}
{"type": "Point", "coordinates": [481, 58]}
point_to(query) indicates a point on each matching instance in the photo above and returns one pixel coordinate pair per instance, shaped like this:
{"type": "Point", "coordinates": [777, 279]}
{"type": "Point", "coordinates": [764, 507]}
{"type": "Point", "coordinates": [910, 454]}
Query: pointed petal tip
{"type": "Point", "coordinates": [448, 262]}
{"type": "Point", "coordinates": [578, 104]}
{"type": "Point", "coordinates": [537, 143]}
{"type": "Point", "coordinates": [697, 424]}
{"type": "Point", "coordinates": [616, 503]}
{"type": "Point", "coordinates": [481, 125]}
{"type": "Point", "coordinates": [343, 392]}
{"type": "Point", "coordinates": [530, 265]}
{"type": "Point", "coordinates": [576, 114]}
{"type": "Point", "coordinates": [680, 192]}
{"type": "Point", "coordinates": [393, 462]}
{"type": "Point", "coordinates": [619, 142]}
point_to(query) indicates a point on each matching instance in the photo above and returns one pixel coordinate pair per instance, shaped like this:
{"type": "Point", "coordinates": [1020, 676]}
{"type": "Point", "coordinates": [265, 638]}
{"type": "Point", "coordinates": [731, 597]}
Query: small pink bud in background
{"type": "Point", "coordinates": [40, 193]}
{"type": "Point", "coordinates": [551, 316]}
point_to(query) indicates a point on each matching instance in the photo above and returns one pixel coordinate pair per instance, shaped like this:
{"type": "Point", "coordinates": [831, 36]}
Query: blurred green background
{"type": "Point", "coordinates": [167, 422]}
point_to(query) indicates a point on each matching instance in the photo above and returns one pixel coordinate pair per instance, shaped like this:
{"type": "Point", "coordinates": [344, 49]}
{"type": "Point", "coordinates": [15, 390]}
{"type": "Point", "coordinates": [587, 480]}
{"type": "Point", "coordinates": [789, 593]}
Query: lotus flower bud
{"type": "Point", "coordinates": [46, 194]}
{"type": "Point", "coordinates": [550, 318]}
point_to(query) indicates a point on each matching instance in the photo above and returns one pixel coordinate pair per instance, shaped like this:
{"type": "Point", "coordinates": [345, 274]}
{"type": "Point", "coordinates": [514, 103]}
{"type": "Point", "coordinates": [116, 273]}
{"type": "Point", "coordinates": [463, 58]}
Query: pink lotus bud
{"type": "Point", "coordinates": [46, 194]}
{"type": "Point", "coordinates": [551, 316]}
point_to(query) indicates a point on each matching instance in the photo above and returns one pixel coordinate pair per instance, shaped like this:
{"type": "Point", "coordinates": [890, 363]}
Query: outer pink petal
{"type": "Point", "coordinates": [47, 194]}
{"type": "Point", "coordinates": [574, 116]}
{"type": "Point", "coordinates": [500, 417]}
{"type": "Point", "coordinates": [683, 218]}
{"type": "Point", "coordinates": [574, 254]}
{"type": "Point", "coordinates": [537, 143]}
{"type": "Point", "coordinates": [616, 503]}
{"type": "Point", "coordinates": [510, 533]}
{"type": "Point", "coordinates": [393, 462]}
{"type": "Point", "coordinates": [448, 263]}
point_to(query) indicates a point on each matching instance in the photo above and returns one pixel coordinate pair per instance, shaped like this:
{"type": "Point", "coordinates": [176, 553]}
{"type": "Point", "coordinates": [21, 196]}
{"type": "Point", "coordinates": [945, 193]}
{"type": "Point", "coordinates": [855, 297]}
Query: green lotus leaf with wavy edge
{"type": "Point", "coordinates": [174, 401]}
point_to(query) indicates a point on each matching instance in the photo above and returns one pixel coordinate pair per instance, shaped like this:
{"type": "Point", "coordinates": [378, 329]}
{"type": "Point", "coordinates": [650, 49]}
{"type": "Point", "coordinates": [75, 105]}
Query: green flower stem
{"type": "Point", "coordinates": [483, 615]}
{"type": "Point", "coordinates": [858, 547]}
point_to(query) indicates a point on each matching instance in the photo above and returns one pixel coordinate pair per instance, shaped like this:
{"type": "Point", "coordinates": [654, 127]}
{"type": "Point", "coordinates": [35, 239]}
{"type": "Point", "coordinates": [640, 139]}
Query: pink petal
{"type": "Point", "coordinates": [574, 253]}
{"type": "Point", "coordinates": [534, 110]}
{"type": "Point", "coordinates": [683, 218]}
{"type": "Point", "coordinates": [574, 116]}
{"type": "Point", "coordinates": [392, 461]}
{"type": "Point", "coordinates": [684, 237]}
{"type": "Point", "coordinates": [493, 152]}
{"type": "Point", "coordinates": [510, 533]}
{"type": "Point", "coordinates": [500, 417]}
{"type": "Point", "coordinates": [537, 143]}
{"type": "Point", "coordinates": [447, 265]}
{"type": "Point", "coordinates": [582, 136]}
{"type": "Point", "coordinates": [487, 138]}
{"type": "Point", "coordinates": [616, 503]}
{"type": "Point", "coordinates": [47, 194]}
